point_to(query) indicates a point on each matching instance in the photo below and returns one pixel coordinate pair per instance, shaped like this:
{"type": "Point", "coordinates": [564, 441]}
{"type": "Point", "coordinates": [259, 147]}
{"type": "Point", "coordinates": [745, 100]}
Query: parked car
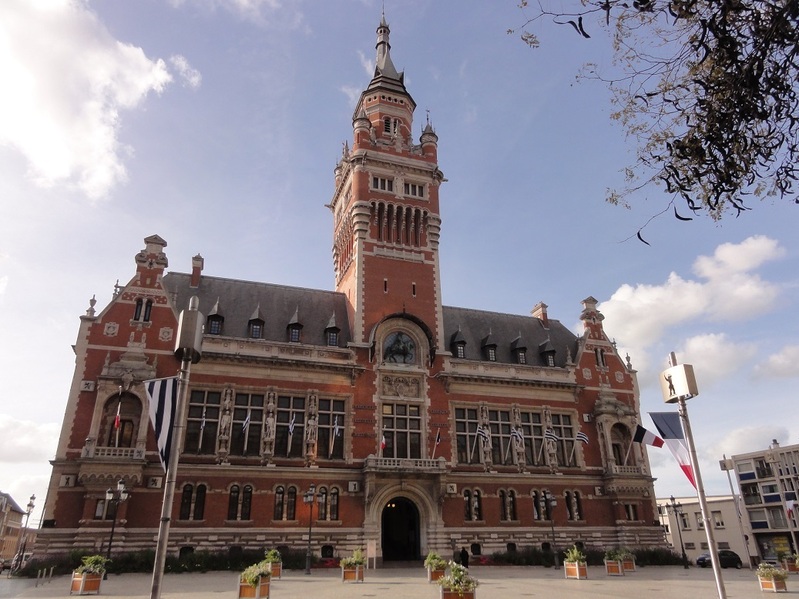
{"type": "Point", "coordinates": [727, 559]}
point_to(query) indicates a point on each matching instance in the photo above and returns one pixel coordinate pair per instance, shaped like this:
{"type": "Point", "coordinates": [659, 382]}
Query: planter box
{"type": "Point", "coordinates": [775, 586]}
{"type": "Point", "coordinates": [576, 570]}
{"type": "Point", "coordinates": [433, 575]}
{"type": "Point", "coordinates": [277, 569]}
{"type": "Point", "coordinates": [259, 592]}
{"type": "Point", "coordinates": [450, 594]}
{"type": "Point", "coordinates": [85, 584]}
{"type": "Point", "coordinates": [352, 574]}
{"type": "Point", "coordinates": [614, 567]}
{"type": "Point", "coordinates": [790, 566]}
{"type": "Point", "coordinates": [628, 564]}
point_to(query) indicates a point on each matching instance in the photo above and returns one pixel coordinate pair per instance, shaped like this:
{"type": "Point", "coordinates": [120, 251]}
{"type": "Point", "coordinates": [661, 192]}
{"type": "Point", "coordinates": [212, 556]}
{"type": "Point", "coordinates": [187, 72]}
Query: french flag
{"type": "Point", "coordinates": [670, 428]}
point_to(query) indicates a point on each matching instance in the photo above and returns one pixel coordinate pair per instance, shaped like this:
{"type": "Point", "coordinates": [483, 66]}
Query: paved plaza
{"type": "Point", "coordinates": [664, 582]}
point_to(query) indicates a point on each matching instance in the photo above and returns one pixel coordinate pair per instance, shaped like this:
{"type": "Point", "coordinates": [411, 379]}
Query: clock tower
{"type": "Point", "coordinates": [386, 210]}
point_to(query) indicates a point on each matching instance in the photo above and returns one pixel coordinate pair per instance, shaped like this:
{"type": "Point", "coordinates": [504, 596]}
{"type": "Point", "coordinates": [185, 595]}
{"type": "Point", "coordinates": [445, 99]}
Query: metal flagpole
{"type": "Point", "coordinates": [189, 349]}
{"type": "Point", "coordinates": [117, 421]}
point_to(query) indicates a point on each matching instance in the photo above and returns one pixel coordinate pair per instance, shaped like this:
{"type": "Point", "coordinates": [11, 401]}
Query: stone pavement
{"type": "Point", "coordinates": [496, 582]}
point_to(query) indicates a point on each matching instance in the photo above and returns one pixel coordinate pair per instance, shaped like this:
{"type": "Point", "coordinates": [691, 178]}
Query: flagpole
{"type": "Point", "coordinates": [189, 348]}
{"type": "Point", "coordinates": [700, 488]}
{"type": "Point", "coordinates": [627, 455]}
{"type": "Point", "coordinates": [117, 421]}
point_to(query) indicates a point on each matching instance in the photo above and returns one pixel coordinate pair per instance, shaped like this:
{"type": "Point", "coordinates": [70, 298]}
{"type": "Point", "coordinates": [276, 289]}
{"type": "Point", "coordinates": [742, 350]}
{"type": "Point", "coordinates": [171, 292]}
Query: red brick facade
{"type": "Point", "coordinates": [298, 387]}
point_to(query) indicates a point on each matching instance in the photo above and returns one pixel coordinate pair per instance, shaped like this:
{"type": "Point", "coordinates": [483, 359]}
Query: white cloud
{"type": "Point", "coordinates": [746, 440]}
{"type": "Point", "coordinates": [191, 77]}
{"type": "Point", "coordinates": [715, 356]}
{"type": "Point", "coordinates": [367, 63]}
{"type": "Point", "coordinates": [352, 93]}
{"type": "Point", "coordinates": [639, 315]}
{"type": "Point", "coordinates": [26, 441]}
{"type": "Point", "coordinates": [783, 364]}
{"type": "Point", "coordinates": [65, 81]}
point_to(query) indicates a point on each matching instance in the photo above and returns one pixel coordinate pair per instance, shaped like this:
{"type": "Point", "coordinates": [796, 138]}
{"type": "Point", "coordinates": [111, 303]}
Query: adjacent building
{"type": "Point", "coordinates": [768, 482]}
{"type": "Point", "coordinates": [419, 426]}
{"type": "Point", "coordinates": [11, 516]}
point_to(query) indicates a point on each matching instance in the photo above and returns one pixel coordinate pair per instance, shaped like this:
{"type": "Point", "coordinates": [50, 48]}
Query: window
{"type": "Point", "coordinates": [491, 353]}
{"type": "Point", "coordinates": [631, 511]}
{"type": "Point", "coordinates": [690, 545]}
{"type": "Point", "coordinates": [330, 429]}
{"type": "Point", "coordinates": [202, 422]}
{"type": "Point", "coordinates": [290, 426]}
{"type": "Point", "coordinates": [294, 333]}
{"type": "Point", "coordinates": [328, 504]}
{"type": "Point", "coordinates": [538, 512]}
{"type": "Point", "coordinates": [600, 357]}
{"type": "Point", "coordinates": [138, 309]}
{"type": "Point", "coordinates": [402, 428]}
{"type": "Point", "coordinates": [122, 436]}
{"type": "Point", "coordinates": [723, 545]}
{"type": "Point", "coordinates": [148, 309]}
{"type": "Point", "coordinates": [777, 518]}
{"type": "Point", "coordinates": [501, 439]}
{"type": "Point", "coordinates": [189, 499]}
{"type": "Point", "coordinates": [562, 425]}
{"type": "Point", "coordinates": [415, 190]}
{"type": "Point", "coordinates": [387, 125]}
{"type": "Point", "coordinates": [99, 509]}
{"type": "Point", "coordinates": [382, 184]}
{"type": "Point", "coordinates": [550, 360]}
{"type": "Point", "coordinates": [291, 504]}
{"type": "Point", "coordinates": [685, 523]}
{"type": "Point", "coordinates": [239, 503]}
{"type": "Point", "coordinates": [245, 434]}
{"type": "Point", "coordinates": [574, 506]}
{"type": "Point", "coordinates": [233, 503]}
{"type": "Point", "coordinates": [700, 524]}
{"type": "Point", "coordinates": [280, 497]}
{"type": "Point", "coordinates": [507, 507]}
{"type": "Point", "coordinates": [718, 520]}
{"type": "Point", "coordinates": [460, 350]}
{"type": "Point", "coordinates": [472, 505]}
{"type": "Point", "coordinates": [521, 356]}
{"type": "Point", "coordinates": [246, 502]}
{"type": "Point", "coordinates": [332, 337]}
{"type": "Point", "coordinates": [215, 325]}
{"type": "Point", "coordinates": [466, 435]}
{"type": "Point", "coordinates": [256, 329]}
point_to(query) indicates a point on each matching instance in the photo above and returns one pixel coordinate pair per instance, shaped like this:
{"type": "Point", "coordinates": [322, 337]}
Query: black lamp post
{"type": "Point", "coordinates": [310, 497]}
{"type": "Point", "coordinates": [113, 497]}
{"type": "Point", "coordinates": [551, 502]}
{"type": "Point", "coordinates": [19, 560]}
{"type": "Point", "coordinates": [676, 509]}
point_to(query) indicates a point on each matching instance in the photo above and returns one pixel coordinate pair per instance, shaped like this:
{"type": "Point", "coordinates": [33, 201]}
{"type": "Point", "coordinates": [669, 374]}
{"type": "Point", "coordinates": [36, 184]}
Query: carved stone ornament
{"type": "Point", "coordinates": [111, 329]}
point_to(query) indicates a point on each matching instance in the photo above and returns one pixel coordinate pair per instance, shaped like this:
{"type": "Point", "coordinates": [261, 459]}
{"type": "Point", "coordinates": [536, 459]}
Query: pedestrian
{"type": "Point", "coordinates": [464, 557]}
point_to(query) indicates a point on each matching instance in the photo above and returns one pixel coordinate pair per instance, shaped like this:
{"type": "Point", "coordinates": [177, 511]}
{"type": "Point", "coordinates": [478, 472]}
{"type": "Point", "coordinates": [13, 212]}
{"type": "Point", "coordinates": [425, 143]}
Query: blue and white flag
{"type": "Point", "coordinates": [163, 397]}
{"type": "Point", "coordinates": [516, 433]}
{"type": "Point", "coordinates": [551, 435]}
{"type": "Point", "coordinates": [245, 426]}
{"type": "Point", "coordinates": [581, 436]}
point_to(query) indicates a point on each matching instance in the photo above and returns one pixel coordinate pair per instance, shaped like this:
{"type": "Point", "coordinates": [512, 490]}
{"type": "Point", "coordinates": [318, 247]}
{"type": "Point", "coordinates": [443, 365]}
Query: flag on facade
{"type": "Point", "coordinates": [551, 435]}
{"type": "Point", "coordinates": [117, 420]}
{"type": "Point", "coordinates": [482, 432]}
{"type": "Point", "coordinates": [291, 425]}
{"type": "Point", "coordinates": [670, 428]}
{"type": "Point", "coordinates": [245, 426]}
{"type": "Point", "coordinates": [383, 442]}
{"type": "Point", "coordinates": [291, 435]}
{"type": "Point", "coordinates": [790, 507]}
{"type": "Point", "coordinates": [646, 437]}
{"type": "Point", "coordinates": [163, 397]}
{"type": "Point", "coordinates": [202, 422]}
{"type": "Point", "coordinates": [516, 433]}
{"type": "Point", "coordinates": [582, 437]}
{"type": "Point", "coordinates": [336, 433]}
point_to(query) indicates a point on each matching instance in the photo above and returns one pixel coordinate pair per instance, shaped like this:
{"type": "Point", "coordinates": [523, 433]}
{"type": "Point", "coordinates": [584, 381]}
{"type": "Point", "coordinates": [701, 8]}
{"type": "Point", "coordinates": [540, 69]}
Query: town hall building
{"type": "Point", "coordinates": [419, 426]}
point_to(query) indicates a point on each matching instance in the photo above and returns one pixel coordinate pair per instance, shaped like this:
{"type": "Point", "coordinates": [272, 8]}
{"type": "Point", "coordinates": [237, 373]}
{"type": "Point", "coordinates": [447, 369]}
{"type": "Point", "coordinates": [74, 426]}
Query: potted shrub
{"type": "Point", "coordinates": [276, 561]}
{"type": "Point", "coordinates": [254, 580]}
{"type": "Point", "coordinates": [627, 559]}
{"type": "Point", "coordinates": [613, 562]}
{"type": "Point", "coordinates": [458, 584]}
{"type": "Point", "coordinates": [574, 563]}
{"type": "Point", "coordinates": [771, 578]}
{"type": "Point", "coordinates": [352, 567]}
{"type": "Point", "coordinates": [87, 577]}
{"type": "Point", "coordinates": [436, 566]}
{"type": "Point", "coordinates": [790, 563]}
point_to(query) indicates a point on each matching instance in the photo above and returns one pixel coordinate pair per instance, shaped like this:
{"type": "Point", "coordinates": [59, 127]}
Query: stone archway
{"type": "Point", "coordinates": [400, 530]}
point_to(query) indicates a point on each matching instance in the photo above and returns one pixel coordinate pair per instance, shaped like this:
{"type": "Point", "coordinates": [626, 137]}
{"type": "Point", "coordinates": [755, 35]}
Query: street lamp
{"type": "Point", "coordinates": [551, 502]}
{"type": "Point", "coordinates": [676, 509]}
{"type": "Point", "coordinates": [309, 497]}
{"type": "Point", "coordinates": [23, 539]}
{"type": "Point", "coordinates": [113, 497]}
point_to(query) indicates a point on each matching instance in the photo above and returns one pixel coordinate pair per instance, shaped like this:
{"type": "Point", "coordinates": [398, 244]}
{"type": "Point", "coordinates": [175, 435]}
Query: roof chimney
{"type": "Point", "coordinates": [197, 264]}
{"type": "Point", "coordinates": [540, 311]}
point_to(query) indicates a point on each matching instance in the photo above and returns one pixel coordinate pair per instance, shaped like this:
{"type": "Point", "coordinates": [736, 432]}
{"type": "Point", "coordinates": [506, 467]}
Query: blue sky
{"type": "Point", "coordinates": [217, 123]}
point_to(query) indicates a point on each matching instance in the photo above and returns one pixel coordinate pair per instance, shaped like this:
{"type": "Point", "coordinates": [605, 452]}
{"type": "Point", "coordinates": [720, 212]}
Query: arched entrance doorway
{"type": "Point", "coordinates": [400, 530]}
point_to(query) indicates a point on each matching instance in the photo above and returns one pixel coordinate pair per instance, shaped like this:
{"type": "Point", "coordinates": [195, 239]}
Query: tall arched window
{"type": "Point", "coordinates": [567, 499]}
{"type": "Point", "coordinates": [334, 504]}
{"type": "Point", "coordinates": [322, 499]}
{"type": "Point", "coordinates": [291, 504]}
{"type": "Point", "coordinates": [503, 506]}
{"type": "Point", "coordinates": [536, 506]}
{"type": "Point", "coordinates": [280, 495]}
{"type": "Point", "coordinates": [511, 499]}
{"type": "Point", "coordinates": [467, 505]}
{"type": "Point", "coordinates": [148, 308]}
{"type": "Point", "coordinates": [137, 310]}
{"type": "Point", "coordinates": [233, 503]}
{"type": "Point", "coordinates": [199, 503]}
{"type": "Point", "coordinates": [185, 502]}
{"type": "Point", "coordinates": [246, 502]}
{"type": "Point", "coordinates": [577, 506]}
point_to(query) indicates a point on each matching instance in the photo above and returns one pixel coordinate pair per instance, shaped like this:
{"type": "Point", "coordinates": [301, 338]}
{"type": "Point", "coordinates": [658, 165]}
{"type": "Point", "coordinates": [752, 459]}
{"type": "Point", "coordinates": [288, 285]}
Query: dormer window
{"type": "Point", "coordinates": [491, 353]}
{"type": "Point", "coordinates": [519, 349]}
{"type": "Point", "coordinates": [489, 348]}
{"type": "Point", "coordinates": [256, 329]}
{"type": "Point", "coordinates": [521, 356]}
{"type": "Point", "coordinates": [332, 338]}
{"type": "Point", "coordinates": [294, 333]}
{"type": "Point", "coordinates": [460, 350]}
{"type": "Point", "coordinates": [547, 352]}
{"type": "Point", "coordinates": [458, 344]}
{"type": "Point", "coordinates": [215, 325]}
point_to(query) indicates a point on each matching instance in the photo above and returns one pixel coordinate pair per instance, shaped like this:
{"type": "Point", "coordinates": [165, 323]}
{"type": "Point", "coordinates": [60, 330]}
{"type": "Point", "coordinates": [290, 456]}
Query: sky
{"type": "Point", "coordinates": [216, 124]}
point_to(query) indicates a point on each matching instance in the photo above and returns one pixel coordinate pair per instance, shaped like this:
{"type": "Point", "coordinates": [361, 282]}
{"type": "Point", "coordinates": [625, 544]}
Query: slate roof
{"type": "Point", "coordinates": [278, 305]}
{"type": "Point", "coordinates": [474, 326]}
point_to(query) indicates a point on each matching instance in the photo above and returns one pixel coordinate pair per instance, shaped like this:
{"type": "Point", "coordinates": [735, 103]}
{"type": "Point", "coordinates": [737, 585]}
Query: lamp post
{"type": "Point", "coordinates": [309, 498]}
{"type": "Point", "coordinates": [676, 509]}
{"type": "Point", "coordinates": [113, 497]}
{"type": "Point", "coordinates": [23, 537]}
{"type": "Point", "coordinates": [551, 502]}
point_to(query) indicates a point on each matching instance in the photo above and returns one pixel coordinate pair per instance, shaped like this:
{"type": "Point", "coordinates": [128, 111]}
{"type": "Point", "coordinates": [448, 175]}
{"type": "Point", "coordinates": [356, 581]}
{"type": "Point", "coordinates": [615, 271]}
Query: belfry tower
{"type": "Point", "coordinates": [385, 207]}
